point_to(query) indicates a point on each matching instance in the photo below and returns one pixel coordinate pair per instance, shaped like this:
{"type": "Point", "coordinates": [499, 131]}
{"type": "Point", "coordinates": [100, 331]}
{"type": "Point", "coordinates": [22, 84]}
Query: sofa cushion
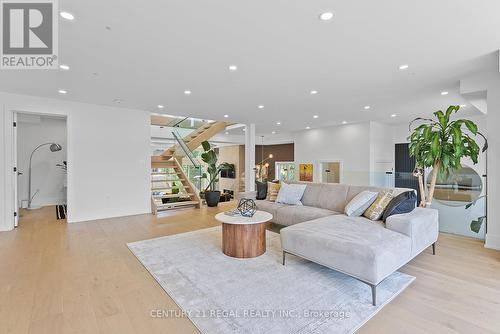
{"type": "Point", "coordinates": [403, 203]}
{"type": "Point", "coordinates": [353, 245]}
{"type": "Point", "coordinates": [326, 196]}
{"type": "Point", "coordinates": [272, 191]}
{"type": "Point", "coordinates": [270, 207]}
{"type": "Point", "coordinates": [291, 214]}
{"type": "Point", "coordinates": [357, 206]}
{"type": "Point", "coordinates": [376, 210]}
{"type": "Point", "coordinates": [291, 193]}
{"type": "Point", "coordinates": [354, 190]}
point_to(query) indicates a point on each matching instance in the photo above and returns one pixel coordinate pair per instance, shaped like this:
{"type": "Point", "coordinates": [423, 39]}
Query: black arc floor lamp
{"type": "Point", "coordinates": [53, 148]}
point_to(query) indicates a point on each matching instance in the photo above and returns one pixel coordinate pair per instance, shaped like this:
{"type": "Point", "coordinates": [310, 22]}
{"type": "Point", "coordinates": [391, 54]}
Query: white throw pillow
{"type": "Point", "coordinates": [358, 205]}
{"type": "Point", "coordinates": [291, 194]}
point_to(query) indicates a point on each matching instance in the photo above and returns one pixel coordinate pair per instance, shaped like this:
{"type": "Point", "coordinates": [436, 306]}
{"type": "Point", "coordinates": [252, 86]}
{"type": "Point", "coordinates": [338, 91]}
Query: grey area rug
{"type": "Point", "coordinates": [222, 295]}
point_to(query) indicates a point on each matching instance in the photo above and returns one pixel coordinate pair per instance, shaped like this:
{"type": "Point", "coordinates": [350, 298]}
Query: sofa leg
{"type": "Point", "coordinates": [284, 256]}
{"type": "Point", "coordinates": [374, 294]}
{"type": "Point", "coordinates": [434, 249]}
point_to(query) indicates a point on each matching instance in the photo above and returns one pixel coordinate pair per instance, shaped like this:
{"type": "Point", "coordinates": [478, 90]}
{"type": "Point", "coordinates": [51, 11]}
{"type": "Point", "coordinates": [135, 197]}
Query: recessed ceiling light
{"type": "Point", "coordinates": [308, 127]}
{"type": "Point", "coordinates": [261, 107]}
{"type": "Point", "coordinates": [394, 115]}
{"type": "Point", "coordinates": [233, 67]}
{"type": "Point", "coordinates": [444, 93]}
{"type": "Point", "coordinates": [274, 132]}
{"type": "Point", "coordinates": [67, 16]}
{"type": "Point", "coordinates": [226, 116]}
{"type": "Point", "coordinates": [227, 132]}
{"type": "Point", "coordinates": [314, 92]}
{"type": "Point", "coordinates": [315, 116]}
{"type": "Point", "coordinates": [160, 106]}
{"type": "Point", "coordinates": [278, 123]}
{"type": "Point", "coordinates": [326, 16]}
{"type": "Point", "coordinates": [403, 67]}
{"type": "Point", "coordinates": [367, 107]}
{"type": "Point", "coordinates": [463, 105]}
{"type": "Point", "coordinates": [187, 92]}
{"type": "Point", "coordinates": [64, 67]}
{"type": "Point", "coordinates": [344, 122]}
{"type": "Point", "coordinates": [244, 129]}
{"type": "Point", "coordinates": [62, 91]}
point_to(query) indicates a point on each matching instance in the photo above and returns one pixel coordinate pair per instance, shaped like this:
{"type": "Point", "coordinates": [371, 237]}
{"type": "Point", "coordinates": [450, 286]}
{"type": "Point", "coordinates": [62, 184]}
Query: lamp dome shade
{"type": "Point", "coordinates": [55, 147]}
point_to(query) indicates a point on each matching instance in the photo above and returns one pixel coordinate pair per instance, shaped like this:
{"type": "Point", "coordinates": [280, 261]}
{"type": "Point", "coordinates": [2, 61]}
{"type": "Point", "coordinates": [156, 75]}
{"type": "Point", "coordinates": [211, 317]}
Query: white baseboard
{"type": "Point", "coordinates": [47, 201]}
{"type": "Point", "coordinates": [492, 241]}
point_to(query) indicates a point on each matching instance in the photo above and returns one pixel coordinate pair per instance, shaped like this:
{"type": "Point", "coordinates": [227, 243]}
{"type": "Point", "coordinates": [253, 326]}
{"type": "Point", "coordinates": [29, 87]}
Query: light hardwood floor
{"type": "Point", "coordinates": [81, 278]}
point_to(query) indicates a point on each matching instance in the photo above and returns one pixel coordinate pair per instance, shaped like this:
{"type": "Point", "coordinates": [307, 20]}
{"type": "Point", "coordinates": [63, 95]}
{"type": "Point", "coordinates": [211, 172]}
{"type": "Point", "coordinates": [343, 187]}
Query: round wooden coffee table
{"type": "Point", "coordinates": [244, 237]}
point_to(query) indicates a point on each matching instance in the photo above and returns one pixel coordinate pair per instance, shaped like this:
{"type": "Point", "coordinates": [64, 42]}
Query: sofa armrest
{"type": "Point", "coordinates": [421, 225]}
{"type": "Point", "coordinates": [248, 194]}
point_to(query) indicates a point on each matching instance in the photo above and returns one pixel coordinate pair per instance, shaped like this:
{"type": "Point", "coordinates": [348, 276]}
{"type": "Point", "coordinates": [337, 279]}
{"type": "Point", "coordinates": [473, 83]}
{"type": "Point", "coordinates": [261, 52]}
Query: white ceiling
{"type": "Point", "coordinates": [156, 49]}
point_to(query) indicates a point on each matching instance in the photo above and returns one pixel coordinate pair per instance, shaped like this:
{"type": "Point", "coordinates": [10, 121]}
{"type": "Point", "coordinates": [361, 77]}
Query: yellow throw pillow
{"type": "Point", "coordinates": [376, 210]}
{"type": "Point", "coordinates": [272, 191]}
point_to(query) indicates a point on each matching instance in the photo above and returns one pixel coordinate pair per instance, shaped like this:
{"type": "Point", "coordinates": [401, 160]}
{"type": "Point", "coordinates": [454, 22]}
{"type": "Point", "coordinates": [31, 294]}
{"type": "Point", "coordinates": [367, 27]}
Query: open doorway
{"type": "Point", "coordinates": [40, 144]}
{"type": "Point", "coordinates": [331, 171]}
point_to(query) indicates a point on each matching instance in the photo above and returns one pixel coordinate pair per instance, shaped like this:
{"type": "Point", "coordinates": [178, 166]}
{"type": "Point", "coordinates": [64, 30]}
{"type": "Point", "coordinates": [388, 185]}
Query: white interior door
{"type": "Point", "coordinates": [15, 170]}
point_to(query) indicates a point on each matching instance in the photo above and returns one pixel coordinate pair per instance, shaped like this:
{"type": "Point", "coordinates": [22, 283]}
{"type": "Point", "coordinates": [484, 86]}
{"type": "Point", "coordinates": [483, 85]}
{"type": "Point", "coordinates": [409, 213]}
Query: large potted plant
{"type": "Point", "coordinates": [212, 196]}
{"type": "Point", "coordinates": [441, 143]}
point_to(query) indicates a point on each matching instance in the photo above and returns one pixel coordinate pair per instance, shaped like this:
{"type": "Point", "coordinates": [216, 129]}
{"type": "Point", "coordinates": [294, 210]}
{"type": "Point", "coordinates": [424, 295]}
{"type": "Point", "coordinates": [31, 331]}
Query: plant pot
{"type": "Point", "coordinates": [212, 198]}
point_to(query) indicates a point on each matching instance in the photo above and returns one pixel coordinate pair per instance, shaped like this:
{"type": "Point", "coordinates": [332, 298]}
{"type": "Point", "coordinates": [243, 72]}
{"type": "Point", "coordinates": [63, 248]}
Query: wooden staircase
{"type": "Point", "coordinates": [194, 139]}
{"type": "Point", "coordinates": [170, 187]}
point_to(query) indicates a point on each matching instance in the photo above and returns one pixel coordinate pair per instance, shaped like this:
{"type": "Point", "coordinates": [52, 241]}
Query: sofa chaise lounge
{"type": "Point", "coordinates": [367, 250]}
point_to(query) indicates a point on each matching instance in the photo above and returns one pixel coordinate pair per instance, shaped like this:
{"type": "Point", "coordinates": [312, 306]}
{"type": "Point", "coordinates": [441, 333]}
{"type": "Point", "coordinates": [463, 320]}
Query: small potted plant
{"type": "Point", "coordinates": [209, 157]}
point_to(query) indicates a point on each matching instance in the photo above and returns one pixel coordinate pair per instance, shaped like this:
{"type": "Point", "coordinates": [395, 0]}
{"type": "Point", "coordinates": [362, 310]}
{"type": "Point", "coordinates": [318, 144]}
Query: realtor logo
{"type": "Point", "coordinates": [29, 34]}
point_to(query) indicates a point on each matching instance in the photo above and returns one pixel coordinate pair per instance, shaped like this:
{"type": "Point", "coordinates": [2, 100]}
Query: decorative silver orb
{"type": "Point", "coordinates": [247, 207]}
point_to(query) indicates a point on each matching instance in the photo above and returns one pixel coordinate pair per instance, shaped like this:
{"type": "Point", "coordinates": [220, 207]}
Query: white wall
{"type": "Point", "coordinates": [46, 176]}
{"type": "Point", "coordinates": [108, 157]}
{"type": "Point", "coordinates": [493, 236]}
{"type": "Point", "coordinates": [348, 143]}
{"type": "Point", "coordinates": [381, 154]}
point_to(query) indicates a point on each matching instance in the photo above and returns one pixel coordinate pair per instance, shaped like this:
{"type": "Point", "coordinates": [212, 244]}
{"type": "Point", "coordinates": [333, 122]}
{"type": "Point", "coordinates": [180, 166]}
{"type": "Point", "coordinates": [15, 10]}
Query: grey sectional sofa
{"type": "Point", "coordinates": [367, 250]}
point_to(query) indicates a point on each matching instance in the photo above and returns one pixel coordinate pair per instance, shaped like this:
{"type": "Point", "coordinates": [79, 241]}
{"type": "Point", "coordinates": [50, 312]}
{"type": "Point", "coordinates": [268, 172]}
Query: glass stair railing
{"type": "Point", "coordinates": [188, 123]}
{"type": "Point", "coordinates": [190, 164]}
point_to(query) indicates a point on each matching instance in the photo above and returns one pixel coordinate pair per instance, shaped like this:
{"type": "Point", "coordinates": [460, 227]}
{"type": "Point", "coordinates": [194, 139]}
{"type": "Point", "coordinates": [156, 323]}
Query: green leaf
{"type": "Point", "coordinates": [475, 225]}
{"type": "Point", "coordinates": [471, 126]}
{"type": "Point", "coordinates": [427, 132]}
{"type": "Point", "coordinates": [206, 146]}
{"type": "Point", "coordinates": [450, 110]}
{"type": "Point", "coordinates": [457, 136]}
{"type": "Point", "coordinates": [442, 119]}
{"type": "Point", "coordinates": [435, 145]}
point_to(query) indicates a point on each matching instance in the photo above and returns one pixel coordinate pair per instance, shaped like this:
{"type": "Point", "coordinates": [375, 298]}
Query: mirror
{"type": "Point", "coordinates": [461, 187]}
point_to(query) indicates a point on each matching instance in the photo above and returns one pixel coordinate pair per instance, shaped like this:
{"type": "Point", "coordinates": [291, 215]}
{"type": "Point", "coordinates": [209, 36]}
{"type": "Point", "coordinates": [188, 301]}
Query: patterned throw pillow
{"type": "Point", "coordinates": [272, 191]}
{"type": "Point", "coordinates": [376, 210]}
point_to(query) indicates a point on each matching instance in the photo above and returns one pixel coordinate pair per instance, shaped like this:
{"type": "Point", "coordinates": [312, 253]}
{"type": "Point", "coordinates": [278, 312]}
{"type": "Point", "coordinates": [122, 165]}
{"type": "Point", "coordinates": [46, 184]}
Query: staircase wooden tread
{"type": "Point", "coordinates": [173, 195]}
{"type": "Point", "coordinates": [166, 187]}
{"type": "Point", "coordinates": [161, 173]}
{"type": "Point", "coordinates": [176, 205]}
{"type": "Point", "coordinates": [176, 180]}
